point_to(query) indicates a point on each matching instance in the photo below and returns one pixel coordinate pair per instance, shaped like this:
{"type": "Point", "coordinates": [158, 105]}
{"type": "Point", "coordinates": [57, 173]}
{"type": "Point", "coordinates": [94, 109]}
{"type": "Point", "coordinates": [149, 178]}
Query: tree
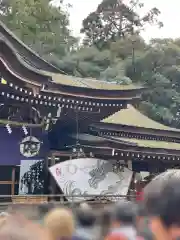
{"type": "Point", "coordinates": [40, 25]}
{"type": "Point", "coordinates": [115, 52]}
{"type": "Point", "coordinates": [124, 48]}
{"type": "Point", "coordinates": [158, 69]}
{"type": "Point", "coordinates": [114, 20]}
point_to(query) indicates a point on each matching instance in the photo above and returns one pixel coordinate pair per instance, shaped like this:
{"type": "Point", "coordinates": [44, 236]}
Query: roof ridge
{"type": "Point", "coordinates": [9, 32]}
{"type": "Point", "coordinates": [133, 117]}
{"type": "Point", "coordinates": [18, 56]}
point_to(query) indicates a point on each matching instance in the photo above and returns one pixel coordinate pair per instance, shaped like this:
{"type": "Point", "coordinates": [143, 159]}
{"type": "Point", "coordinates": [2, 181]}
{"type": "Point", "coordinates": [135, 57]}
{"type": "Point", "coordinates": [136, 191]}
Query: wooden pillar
{"type": "Point", "coordinates": [52, 183]}
{"type": "Point", "coordinates": [13, 181]}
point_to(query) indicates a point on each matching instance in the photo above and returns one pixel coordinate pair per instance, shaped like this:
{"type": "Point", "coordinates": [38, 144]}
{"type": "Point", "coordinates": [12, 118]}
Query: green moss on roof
{"type": "Point", "coordinates": [65, 79]}
{"type": "Point", "coordinates": [90, 83]}
{"type": "Point", "coordinates": [152, 143]}
{"type": "Point", "coordinates": [21, 43]}
{"type": "Point", "coordinates": [133, 117]}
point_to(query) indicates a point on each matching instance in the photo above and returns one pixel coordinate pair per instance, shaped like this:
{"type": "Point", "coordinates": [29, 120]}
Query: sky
{"type": "Point", "coordinates": [170, 16]}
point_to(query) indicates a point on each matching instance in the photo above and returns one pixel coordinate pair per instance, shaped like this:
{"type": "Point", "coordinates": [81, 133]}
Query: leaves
{"type": "Point", "coordinates": [40, 25]}
{"type": "Point", "coordinates": [112, 50]}
{"type": "Point", "coordinates": [155, 65]}
{"type": "Point", "coordinates": [158, 68]}
{"type": "Point", "coordinates": [114, 20]}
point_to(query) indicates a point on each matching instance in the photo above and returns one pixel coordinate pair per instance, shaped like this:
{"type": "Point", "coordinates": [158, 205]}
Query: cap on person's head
{"type": "Point", "coordinates": [124, 213]}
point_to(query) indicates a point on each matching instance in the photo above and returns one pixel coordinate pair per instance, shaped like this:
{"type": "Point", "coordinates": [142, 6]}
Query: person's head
{"type": "Point", "coordinates": [105, 221]}
{"type": "Point", "coordinates": [141, 214]}
{"type": "Point", "coordinates": [30, 211]}
{"type": "Point", "coordinates": [162, 206]}
{"type": "Point", "coordinates": [17, 227]}
{"type": "Point", "coordinates": [124, 214]}
{"type": "Point", "coordinates": [43, 209]}
{"type": "Point", "coordinates": [60, 223]}
{"type": "Point", "coordinates": [85, 217]}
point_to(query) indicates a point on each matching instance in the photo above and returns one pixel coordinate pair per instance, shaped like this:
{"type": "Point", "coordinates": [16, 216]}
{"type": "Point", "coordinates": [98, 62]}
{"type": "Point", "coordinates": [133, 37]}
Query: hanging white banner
{"type": "Point", "coordinates": [31, 177]}
{"type": "Point", "coordinates": [90, 176]}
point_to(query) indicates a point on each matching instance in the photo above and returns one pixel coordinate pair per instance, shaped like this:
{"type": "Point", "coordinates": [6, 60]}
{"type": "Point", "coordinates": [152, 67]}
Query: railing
{"type": "Point", "coordinates": [6, 200]}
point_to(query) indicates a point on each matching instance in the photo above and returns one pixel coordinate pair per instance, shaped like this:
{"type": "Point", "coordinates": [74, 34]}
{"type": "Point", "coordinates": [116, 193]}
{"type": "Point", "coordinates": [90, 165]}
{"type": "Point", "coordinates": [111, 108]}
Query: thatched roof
{"type": "Point", "coordinates": [90, 83]}
{"type": "Point", "coordinates": [132, 117]}
{"type": "Point", "coordinates": [152, 143]}
{"type": "Point", "coordinates": [58, 77]}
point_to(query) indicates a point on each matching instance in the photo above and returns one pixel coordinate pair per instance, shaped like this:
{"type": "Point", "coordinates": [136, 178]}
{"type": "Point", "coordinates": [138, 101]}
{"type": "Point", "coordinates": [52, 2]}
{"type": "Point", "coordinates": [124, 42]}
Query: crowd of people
{"type": "Point", "coordinates": [156, 217]}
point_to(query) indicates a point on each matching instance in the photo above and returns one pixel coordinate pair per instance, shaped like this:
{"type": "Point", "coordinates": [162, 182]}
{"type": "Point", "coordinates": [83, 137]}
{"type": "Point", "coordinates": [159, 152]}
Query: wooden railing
{"type": "Point", "coordinates": [61, 199]}
{"type": "Point", "coordinates": [29, 199]}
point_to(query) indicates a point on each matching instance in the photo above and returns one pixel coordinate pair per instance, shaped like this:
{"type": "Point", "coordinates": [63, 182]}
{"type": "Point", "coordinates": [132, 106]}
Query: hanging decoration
{"type": "Point", "coordinates": [25, 130]}
{"type": "Point", "coordinates": [33, 179]}
{"type": "Point", "coordinates": [56, 101]}
{"type": "Point", "coordinates": [48, 121]}
{"type": "Point", "coordinates": [78, 151]}
{"type": "Point", "coordinates": [3, 81]}
{"type": "Point", "coordinates": [8, 127]}
{"type": "Point", "coordinates": [77, 148]}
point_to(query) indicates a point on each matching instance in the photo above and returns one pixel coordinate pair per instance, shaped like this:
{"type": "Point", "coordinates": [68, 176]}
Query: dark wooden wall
{"type": "Point", "coordinates": [9, 181]}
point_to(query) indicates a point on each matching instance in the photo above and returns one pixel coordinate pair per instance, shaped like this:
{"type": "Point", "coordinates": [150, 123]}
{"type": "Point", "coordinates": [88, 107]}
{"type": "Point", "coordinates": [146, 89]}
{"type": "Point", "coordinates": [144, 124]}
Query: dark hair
{"type": "Point", "coordinates": [125, 213]}
{"type": "Point", "coordinates": [105, 221]}
{"type": "Point", "coordinates": [45, 208]}
{"type": "Point", "coordinates": [146, 234]}
{"type": "Point", "coordinates": [165, 203]}
{"type": "Point", "coordinates": [141, 210]}
{"type": "Point", "coordinates": [85, 217]}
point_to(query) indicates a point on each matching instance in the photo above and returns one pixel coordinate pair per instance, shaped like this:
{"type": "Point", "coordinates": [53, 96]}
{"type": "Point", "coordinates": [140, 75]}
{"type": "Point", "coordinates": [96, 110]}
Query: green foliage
{"type": "Point", "coordinates": [113, 49]}
{"type": "Point", "coordinates": [115, 19]}
{"type": "Point", "coordinates": [158, 68]}
{"type": "Point", "coordinates": [40, 25]}
{"type": "Point", "coordinates": [155, 65]}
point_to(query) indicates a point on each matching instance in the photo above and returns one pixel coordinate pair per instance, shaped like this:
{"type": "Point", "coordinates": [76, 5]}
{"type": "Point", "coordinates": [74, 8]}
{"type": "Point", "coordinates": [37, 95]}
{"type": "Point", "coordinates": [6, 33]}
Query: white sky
{"type": "Point", "coordinates": [170, 16]}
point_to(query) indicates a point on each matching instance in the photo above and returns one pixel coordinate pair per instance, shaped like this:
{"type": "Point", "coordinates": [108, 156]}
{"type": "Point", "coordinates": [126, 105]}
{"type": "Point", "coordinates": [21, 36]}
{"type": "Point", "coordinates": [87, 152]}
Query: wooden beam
{"type": "Point", "coordinates": [7, 182]}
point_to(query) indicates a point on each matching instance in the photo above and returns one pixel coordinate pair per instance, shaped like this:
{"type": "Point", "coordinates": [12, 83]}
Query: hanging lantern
{"type": "Point", "coordinates": [25, 130]}
{"type": "Point", "coordinates": [8, 128]}
{"type": "Point", "coordinates": [3, 81]}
